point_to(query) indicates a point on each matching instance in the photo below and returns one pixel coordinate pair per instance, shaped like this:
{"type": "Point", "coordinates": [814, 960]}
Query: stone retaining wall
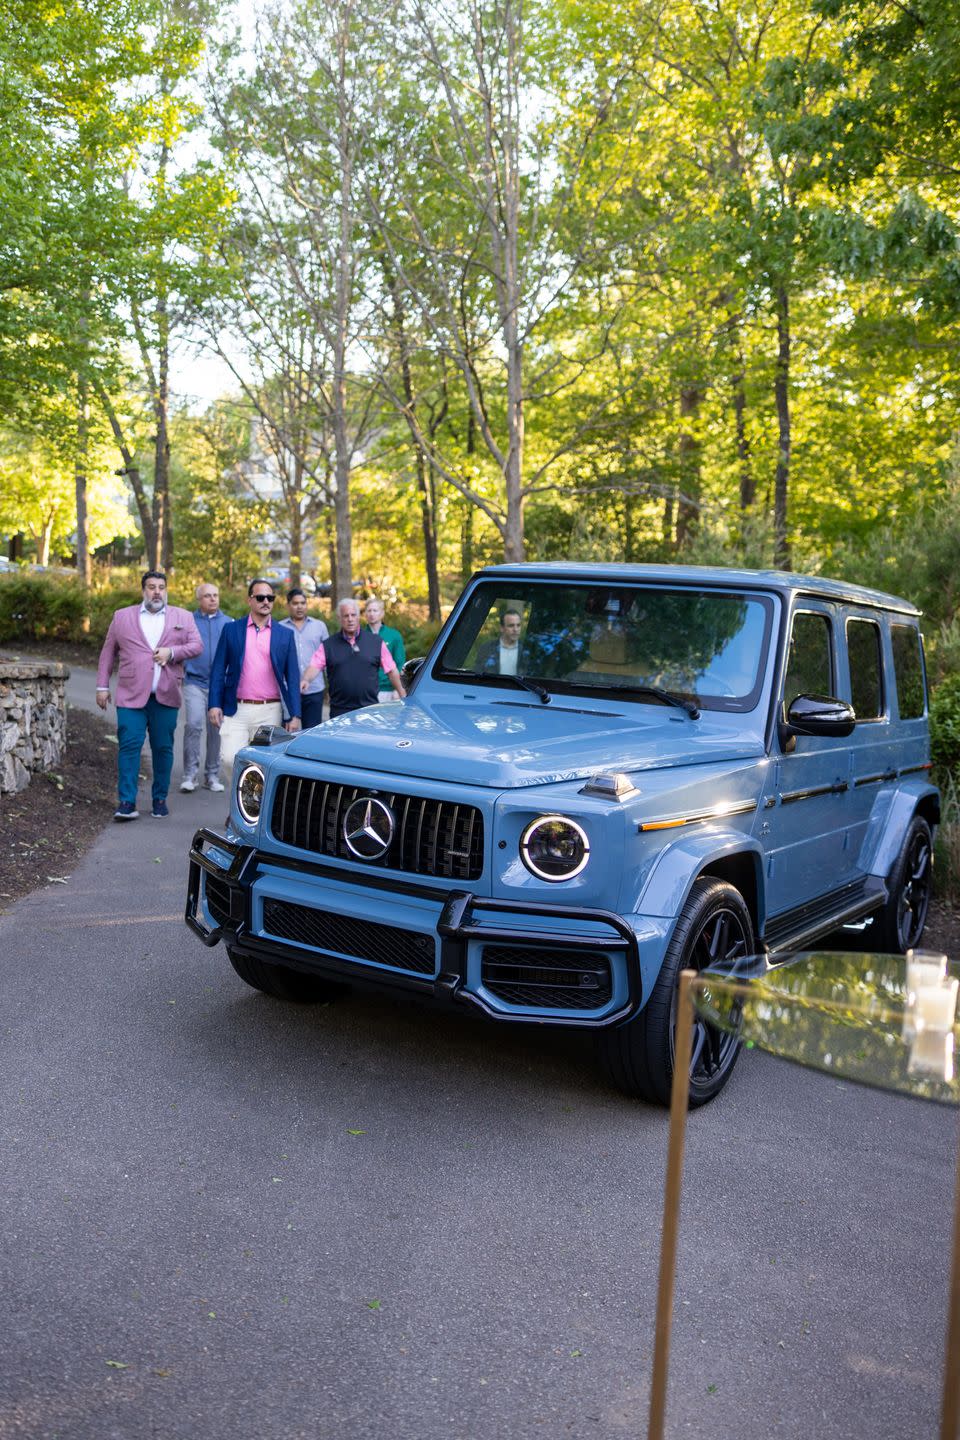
{"type": "Point", "coordinates": [33, 720]}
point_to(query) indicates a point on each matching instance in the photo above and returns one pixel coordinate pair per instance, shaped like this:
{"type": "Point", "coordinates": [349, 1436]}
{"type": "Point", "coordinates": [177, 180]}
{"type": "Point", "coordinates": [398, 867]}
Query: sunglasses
{"type": "Point", "coordinates": [269, 598]}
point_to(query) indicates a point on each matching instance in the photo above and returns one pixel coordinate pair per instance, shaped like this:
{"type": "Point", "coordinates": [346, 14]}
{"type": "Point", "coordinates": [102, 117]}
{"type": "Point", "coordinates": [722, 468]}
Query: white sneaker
{"type": "Point", "coordinates": [187, 786]}
{"type": "Point", "coordinates": [215, 785]}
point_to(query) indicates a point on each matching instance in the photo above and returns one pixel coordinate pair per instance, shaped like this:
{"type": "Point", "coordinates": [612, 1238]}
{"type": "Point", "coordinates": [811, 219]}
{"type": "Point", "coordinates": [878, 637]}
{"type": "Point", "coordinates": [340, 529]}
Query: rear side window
{"type": "Point", "coordinates": [866, 668]}
{"type": "Point", "coordinates": [908, 669]}
{"type": "Point", "coordinates": [810, 663]}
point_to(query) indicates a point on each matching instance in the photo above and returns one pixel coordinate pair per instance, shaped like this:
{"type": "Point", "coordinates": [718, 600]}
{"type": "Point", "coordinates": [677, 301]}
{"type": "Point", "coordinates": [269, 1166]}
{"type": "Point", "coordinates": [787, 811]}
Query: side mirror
{"type": "Point", "coordinates": [410, 670]}
{"type": "Point", "coordinates": [817, 715]}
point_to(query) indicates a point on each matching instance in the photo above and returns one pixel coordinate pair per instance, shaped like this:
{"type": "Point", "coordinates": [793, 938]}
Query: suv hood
{"type": "Point", "coordinates": [510, 744]}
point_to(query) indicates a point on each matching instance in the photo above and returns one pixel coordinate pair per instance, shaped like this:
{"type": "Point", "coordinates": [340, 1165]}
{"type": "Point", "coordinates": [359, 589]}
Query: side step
{"type": "Point", "coordinates": [795, 929]}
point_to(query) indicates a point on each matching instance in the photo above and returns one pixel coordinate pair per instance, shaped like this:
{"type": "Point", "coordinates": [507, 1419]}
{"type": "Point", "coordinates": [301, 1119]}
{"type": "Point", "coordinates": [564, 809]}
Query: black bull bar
{"type": "Point", "coordinates": [456, 927]}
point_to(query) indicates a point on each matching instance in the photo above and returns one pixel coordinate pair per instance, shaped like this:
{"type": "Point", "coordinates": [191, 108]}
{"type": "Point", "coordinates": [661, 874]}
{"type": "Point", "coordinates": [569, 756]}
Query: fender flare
{"type": "Point", "coordinates": [890, 819]}
{"type": "Point", "coordinates": [728, 854]}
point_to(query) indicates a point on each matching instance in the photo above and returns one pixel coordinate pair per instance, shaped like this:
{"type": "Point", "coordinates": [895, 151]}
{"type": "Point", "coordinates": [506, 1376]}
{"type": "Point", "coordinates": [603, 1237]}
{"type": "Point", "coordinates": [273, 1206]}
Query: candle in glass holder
{"type": "Point", "coordinates": [931, 1053]}
{"type": "Point", "coordinates": [924, 969]}
{"type": "Point", "coordinates": [936, 1005]}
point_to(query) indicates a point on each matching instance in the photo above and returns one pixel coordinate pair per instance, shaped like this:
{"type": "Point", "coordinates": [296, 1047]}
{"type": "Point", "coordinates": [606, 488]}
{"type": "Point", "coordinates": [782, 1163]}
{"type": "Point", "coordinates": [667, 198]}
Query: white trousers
{"type": "Point", "coordinates": [238, 730]}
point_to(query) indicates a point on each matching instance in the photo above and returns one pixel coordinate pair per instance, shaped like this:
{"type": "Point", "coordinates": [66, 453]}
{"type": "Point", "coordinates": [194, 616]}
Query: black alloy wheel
{"type": "Point", "coordinates": [714, 928]}
{"type": "Point", "coordinates": [714, 1052]}
{"type": "Point", "coordinates": [901, 921]}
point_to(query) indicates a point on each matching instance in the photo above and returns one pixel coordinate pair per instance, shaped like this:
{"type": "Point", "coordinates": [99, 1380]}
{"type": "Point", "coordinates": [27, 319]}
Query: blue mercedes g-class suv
{"type": "Point", "coordinates": [601, 774]}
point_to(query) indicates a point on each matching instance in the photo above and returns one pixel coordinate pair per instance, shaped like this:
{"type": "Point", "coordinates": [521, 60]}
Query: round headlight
{"type": "Point", "coordinates": [554, 848]}
{"type": "Point", "coordinates": [250, 792]}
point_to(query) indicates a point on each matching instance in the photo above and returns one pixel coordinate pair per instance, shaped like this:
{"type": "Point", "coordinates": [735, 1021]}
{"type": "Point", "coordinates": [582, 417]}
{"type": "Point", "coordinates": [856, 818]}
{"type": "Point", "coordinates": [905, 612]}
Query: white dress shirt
{"type": "Point", "coordinates": [152, 627]}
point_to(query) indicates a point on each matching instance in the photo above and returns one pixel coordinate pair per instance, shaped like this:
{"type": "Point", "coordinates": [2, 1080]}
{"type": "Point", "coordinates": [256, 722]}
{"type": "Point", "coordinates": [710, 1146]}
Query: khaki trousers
{"type": "Point", "coordinates": [238, 730]}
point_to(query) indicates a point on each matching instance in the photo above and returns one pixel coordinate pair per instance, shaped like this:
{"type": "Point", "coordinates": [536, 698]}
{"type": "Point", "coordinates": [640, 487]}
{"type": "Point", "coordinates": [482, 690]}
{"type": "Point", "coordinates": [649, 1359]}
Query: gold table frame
{"type": "Point", "coordinates": [690, 981]}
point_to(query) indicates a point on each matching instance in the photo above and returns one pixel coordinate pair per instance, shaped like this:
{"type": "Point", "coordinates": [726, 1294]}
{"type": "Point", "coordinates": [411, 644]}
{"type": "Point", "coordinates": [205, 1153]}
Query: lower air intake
{"type": "Point", "coordinates": [564, 979]}
{"type": "Point", "coordinates": [357, 939]}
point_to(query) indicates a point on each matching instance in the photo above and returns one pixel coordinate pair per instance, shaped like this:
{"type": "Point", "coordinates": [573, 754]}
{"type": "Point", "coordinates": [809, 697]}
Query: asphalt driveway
{"type": "Point", "coordinates": [229, 1217]}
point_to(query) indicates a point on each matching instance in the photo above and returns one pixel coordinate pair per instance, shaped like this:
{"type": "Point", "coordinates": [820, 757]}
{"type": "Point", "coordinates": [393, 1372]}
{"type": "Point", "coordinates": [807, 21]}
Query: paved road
{"type": "Point", "coordinates": [195, 1242]}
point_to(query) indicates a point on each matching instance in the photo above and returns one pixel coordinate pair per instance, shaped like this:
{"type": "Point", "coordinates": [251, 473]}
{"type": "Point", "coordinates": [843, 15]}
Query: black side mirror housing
{"type": "Point", "coordinates": [817, 715]}
{"type": "Point", "coordinates": [409, 671]}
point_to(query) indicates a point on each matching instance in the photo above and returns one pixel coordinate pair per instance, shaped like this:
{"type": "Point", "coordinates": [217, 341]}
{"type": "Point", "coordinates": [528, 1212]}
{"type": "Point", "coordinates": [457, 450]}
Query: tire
{"type": "Point", "coordinates": [637, 1057]}
{"type": "Point", "coordinates": [900, 923]}
{"type": "Point", "coordinates": [283, 983]}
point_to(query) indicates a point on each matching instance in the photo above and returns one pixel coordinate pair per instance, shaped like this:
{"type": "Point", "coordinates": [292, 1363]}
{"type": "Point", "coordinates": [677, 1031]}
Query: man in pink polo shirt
{"type": "Point", "coordinates": [255, 676]}
{"type": "Point", "coordinates": [352, 660]}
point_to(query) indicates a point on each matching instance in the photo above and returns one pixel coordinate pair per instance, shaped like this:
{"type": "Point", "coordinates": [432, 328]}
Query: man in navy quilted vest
{"type": "Point", "coordinates": [351, 661]}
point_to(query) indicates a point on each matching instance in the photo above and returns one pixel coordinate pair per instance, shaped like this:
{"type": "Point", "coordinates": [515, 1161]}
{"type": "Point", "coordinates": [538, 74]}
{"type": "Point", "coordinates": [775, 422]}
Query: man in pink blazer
{"type": "Point", "coordinates": [148, 644]}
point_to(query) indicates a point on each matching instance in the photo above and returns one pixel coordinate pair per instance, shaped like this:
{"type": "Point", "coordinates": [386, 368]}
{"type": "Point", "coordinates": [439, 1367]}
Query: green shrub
{"type": "Point", "coordinates": [947, 852]}
{"type": "Point", "coordinates": [945, 726]}
{"type": "Point", "coordinates": [418, 635]}
{"type": "Point", "coordinates": [51, 607]}
{"type": "Point", "coordinates": [40, 607]}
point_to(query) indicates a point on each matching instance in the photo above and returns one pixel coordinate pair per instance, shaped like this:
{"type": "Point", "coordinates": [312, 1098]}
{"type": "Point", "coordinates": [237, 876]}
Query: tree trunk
{"type": "Point", "coordinates": [629, 528]}
{"type": "Point", "coordinates": [344, 286]}
{"type": "Point", "coordinates": [748, 485]}
{"type": "Point", "coordinates": [688, 501]}
{"type": "Point", "coordinates": [425, 486]}
{"type": "Point", "coordinates": [84, 566]}
{"type": "Point", "coordinates": [466, 529]}
{"type": "Point", "coordinates": [334, 573]}
{"type": "Point", "coordinates": [296, 530]}
{"type": "Point", "coordinates": [666, 524]}
{"type": "Point", "coordinates": [781, 388]}
{"type": "Point", "coordinates": [43, 540]}
{"type": "Point", "coordinates": [503, 209]}
{"type": "Point", "coordinates": [162, 518]}
{"type": "Point", "coordinates": [132, 473]}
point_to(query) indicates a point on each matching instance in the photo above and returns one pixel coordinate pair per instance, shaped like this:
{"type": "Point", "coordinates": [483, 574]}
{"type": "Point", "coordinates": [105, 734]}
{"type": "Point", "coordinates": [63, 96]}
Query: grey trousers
{"type": "Point", "coordinates": [194, 723]}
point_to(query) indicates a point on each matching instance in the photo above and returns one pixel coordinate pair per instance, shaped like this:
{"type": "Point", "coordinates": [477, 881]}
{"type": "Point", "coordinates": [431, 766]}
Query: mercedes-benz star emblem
{"type": "Point", "coordinates": [368, 827]}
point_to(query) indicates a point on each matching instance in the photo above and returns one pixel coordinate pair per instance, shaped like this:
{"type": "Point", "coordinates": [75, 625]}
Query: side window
{"type": "Point", "coordinates": [908, 669]}
{"type": "Point", "coordinates": [866, 669]}
{"type": "Point", "coordinates": [810, 663]}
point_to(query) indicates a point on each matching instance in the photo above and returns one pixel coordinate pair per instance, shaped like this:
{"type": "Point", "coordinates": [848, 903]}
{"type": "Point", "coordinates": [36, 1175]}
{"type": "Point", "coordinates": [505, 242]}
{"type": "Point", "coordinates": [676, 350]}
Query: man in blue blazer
{"type": "Point", "coordinates": [255, 676]}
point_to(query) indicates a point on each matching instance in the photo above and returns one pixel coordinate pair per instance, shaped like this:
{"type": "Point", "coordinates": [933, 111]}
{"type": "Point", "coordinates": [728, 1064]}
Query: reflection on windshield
{"type": "Point", "coordinates": [705, 645]}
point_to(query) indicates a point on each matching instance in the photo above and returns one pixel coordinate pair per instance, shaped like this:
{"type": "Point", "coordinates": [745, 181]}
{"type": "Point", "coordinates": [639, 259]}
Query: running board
{"type": "Point", "coordinates": [795, 929]}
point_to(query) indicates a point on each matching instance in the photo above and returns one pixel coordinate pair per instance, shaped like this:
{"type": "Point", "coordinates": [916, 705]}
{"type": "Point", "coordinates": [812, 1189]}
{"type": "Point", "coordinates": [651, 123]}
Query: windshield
{"type": "Point", "coordinates": [702, 645]}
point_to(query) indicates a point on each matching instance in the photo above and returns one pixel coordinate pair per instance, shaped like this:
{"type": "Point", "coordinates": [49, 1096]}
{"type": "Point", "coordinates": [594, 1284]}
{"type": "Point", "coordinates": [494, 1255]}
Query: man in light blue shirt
{"type": "Point", "coordinates": [308, 634]}
{"type": "Point", "coordinates": [210, 621]}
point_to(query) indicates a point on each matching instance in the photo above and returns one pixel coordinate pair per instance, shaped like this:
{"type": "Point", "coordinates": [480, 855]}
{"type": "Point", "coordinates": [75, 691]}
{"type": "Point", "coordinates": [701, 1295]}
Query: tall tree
{"type": "Point", "coordinates": [298, 256]}
{"type": "Point", "coordinates": [481, 164]}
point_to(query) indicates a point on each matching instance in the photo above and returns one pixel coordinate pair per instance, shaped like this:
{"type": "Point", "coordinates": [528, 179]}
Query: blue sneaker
{"type": "Point", "coordinates": [126, 810]}
{"type": "Point", "coordinates": [159, 811]}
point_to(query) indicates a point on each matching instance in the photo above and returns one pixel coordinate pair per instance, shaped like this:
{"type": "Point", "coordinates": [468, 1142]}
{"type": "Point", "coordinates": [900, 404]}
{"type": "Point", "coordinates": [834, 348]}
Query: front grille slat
{"type": "Point", "coordinates": [310, 800]}
{"type": "Point", "coordinates": [286, 792]}
{"type": "Point", "coordinates": [436, 830]}
{"type": "Point", "coordinates": [432, 837]}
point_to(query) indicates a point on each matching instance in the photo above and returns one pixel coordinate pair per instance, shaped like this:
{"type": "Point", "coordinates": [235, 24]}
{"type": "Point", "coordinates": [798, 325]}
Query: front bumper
{"type": "Point", "coordinates": [459, 924]}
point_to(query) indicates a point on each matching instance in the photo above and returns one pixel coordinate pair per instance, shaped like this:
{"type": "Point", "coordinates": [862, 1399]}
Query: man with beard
{"type": "Point", "coordinates": [148, 643]}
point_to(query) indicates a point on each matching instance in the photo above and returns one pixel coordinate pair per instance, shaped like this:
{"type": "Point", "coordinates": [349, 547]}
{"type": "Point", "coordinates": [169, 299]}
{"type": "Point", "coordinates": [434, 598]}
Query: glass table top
{"type": "Point", "coordinates": [887, 1021]}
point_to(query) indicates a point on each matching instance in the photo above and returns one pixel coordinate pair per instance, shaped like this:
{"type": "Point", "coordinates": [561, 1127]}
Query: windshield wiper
{"type": "Point", "coordinates": [544, 695]}
{"type": "Point", "coordinates": [667, 696]}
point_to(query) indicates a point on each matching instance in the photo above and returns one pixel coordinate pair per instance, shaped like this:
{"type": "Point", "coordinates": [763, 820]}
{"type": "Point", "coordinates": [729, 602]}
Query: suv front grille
{"type": "Point", "coordinates": [362, 939]}
{"type": "Point", "coordinates": [566, 979]}
{"type": "Point", "coordinates": [432, 837]}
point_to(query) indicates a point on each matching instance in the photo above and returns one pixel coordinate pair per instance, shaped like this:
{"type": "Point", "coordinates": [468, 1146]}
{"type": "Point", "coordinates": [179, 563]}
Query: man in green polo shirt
{"type": "Point", "coordinates": [373, 621]}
